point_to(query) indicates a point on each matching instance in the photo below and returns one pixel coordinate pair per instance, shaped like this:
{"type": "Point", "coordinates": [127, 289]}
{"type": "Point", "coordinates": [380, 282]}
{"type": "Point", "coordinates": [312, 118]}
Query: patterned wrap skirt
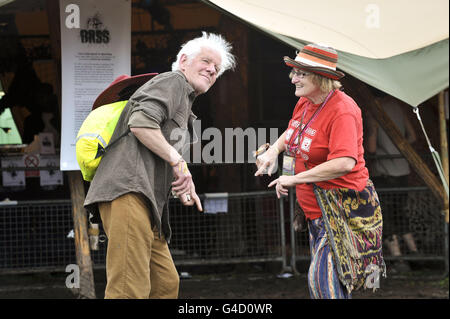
{"type": "Point", "coordinates": [353, 225]}
{"type": "Point", "coordinates": [323, 279]}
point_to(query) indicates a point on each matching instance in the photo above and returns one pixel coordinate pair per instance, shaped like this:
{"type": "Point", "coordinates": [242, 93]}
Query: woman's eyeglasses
{"type": "Point", "coordinates": [298, 73]}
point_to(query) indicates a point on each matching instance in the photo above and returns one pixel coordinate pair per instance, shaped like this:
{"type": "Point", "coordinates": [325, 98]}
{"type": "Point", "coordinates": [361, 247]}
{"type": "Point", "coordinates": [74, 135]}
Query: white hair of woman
{"type": "Point", "coordinates": [211, 41]}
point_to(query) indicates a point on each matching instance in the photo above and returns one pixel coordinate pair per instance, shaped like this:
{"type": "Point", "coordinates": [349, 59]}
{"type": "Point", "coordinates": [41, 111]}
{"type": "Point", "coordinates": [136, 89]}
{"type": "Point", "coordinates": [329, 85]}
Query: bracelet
{"type": "Point", "coordinates": [181, 166]}
{"type": "Point", "coordinates": [264, 148]}
{"type": "Point", "coordinates": [177, 162]}
{"type": "Point", "coordinates": [276, 148]}
{"type": "Point", "coordinates": [261, 149]}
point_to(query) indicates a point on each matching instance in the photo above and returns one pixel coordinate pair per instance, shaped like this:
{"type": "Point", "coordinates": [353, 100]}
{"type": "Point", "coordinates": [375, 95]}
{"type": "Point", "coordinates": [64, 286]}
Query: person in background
{"type": "Point", "coordinates": [324, 160]}
{"type": "Point", "coordinates": [133, 182]}
{"type": "Point", "coordinates": [392, 173]}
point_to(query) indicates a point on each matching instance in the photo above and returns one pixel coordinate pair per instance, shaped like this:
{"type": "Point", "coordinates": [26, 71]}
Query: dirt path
{"type": "Point", "coordinates": [270, 287]}
{"type": "Point", "coordinates": [235, 284]}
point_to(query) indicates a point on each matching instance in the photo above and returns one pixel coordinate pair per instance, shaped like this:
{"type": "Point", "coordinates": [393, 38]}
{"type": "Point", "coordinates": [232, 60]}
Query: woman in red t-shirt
{"type": "Point", "coordinates": [324, 160]}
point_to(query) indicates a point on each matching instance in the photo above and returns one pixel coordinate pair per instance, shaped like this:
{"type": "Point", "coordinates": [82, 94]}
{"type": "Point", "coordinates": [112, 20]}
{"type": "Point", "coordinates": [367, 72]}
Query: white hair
{"type": "Point", "coordinates": [211, 41]}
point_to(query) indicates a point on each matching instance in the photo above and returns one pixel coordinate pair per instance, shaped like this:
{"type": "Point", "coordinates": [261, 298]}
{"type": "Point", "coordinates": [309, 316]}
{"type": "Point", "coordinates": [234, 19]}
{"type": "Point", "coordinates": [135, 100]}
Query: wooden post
{"type": "Point", "coordinates": [80, 227]}
{"type": "Point", "coordinates": [365, 99]}
{"type": "Point", "coordinates": [87, 289]}
{"type": "Point", "coordinates": [444, 143]}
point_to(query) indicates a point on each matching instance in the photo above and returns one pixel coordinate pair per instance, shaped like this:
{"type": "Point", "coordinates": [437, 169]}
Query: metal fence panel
{"type": "Point", "coordinates": [405, 210]}
{"type": "Point", "coordinates": [34, 234]}
{"type": "Point", "coordinates": [415, 211]}
{"type": "Point", "coordinates": [248, 231]}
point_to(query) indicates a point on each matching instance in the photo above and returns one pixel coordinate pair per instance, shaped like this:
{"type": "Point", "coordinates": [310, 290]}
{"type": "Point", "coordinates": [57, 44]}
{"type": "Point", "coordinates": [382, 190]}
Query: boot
{"type": "Point", "coordinates": [410, 243]}
{"type": "Point", "coordinates": [393, 246]}
{"type": "Point", "coordinates": [398, 266]}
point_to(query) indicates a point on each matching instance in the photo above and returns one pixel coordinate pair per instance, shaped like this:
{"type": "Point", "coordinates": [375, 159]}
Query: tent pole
{"type": "Point", "coordinates": [444, 143]}
{"type": "Point", "coordinates": [365, 99]}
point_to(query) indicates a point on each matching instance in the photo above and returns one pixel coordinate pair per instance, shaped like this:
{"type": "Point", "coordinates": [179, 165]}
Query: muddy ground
{"type": "Point", "coordinates": [249, 281]}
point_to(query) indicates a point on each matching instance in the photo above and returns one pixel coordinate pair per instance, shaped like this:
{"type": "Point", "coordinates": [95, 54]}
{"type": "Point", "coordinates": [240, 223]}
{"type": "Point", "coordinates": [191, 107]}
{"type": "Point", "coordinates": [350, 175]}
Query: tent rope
{"type": "Point", "coordinates": [434, 153]}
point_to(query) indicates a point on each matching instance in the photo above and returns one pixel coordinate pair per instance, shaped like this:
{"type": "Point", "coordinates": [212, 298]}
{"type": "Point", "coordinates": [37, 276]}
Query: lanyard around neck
{"type": "Point", "coordinates": [292, 149]}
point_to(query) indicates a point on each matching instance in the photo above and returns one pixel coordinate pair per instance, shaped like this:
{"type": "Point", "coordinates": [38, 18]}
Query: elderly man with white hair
{"type": "Point", "coordinates": [135, 177]}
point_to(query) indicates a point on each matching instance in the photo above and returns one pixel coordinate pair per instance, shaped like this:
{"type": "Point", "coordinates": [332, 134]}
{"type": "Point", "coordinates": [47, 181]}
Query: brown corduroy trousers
{"type": "Point", "coordinates": [138, 261]}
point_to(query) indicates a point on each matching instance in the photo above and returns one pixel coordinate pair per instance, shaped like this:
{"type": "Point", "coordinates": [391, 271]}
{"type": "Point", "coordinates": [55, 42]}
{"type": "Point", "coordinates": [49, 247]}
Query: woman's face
{"type": "Point", "coordinates": [304, 86]}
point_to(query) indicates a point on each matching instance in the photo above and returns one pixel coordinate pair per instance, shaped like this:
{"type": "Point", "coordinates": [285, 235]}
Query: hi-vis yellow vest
{"type": "Point", "coordinates": [94, 136]}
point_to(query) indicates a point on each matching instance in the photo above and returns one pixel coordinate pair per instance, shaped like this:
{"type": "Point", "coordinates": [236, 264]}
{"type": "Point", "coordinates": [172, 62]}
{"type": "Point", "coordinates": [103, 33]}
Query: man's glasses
{"type": "Point", "coordinates": [298, 73]}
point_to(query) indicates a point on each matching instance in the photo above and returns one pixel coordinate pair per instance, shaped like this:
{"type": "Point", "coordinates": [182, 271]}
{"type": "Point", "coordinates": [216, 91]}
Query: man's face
{"type": "Point", "coordinates": [201, 71]}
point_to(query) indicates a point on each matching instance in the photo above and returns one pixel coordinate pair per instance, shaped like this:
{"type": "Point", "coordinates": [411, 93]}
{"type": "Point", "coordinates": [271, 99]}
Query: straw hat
{"type": "Point", "coordinates": [111, 93]}
{"type": "Point", "coordinates": [318, 59]}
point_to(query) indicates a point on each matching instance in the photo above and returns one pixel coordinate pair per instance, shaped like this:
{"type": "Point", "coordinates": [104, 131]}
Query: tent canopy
{"type": "Point", "coordinates": [400, 47]}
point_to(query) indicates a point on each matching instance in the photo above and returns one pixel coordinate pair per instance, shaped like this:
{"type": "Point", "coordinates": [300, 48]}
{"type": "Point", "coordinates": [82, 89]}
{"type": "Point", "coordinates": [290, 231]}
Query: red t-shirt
{"type": "Point", "coordinates": [336, 131]}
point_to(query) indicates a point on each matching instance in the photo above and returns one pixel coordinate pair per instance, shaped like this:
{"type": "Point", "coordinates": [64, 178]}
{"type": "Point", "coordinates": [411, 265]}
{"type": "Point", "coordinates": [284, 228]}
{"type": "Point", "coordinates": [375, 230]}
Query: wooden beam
{"type": "Point", "coordinates": [80, 227]}
{"type": "Point", "coordinates": [444, 143]}
{"type": "Point", "coordinates": [87, 288]}
{"type": "Point", "coordinates": [365, 99]}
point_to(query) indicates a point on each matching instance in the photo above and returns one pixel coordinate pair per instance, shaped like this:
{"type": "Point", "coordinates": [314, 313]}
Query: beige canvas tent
{"type": "Point", "coordinates": [399, 47]}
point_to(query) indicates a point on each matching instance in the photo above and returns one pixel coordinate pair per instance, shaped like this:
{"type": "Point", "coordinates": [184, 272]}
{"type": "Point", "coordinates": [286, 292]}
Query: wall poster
{"type": "Point", "coordinates": [95, 49]}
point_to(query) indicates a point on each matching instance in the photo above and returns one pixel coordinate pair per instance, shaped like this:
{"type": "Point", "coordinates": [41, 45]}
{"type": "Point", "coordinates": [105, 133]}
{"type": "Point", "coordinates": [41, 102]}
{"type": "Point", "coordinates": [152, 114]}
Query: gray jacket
{"type": "Point", "coordinates": [164, 102]}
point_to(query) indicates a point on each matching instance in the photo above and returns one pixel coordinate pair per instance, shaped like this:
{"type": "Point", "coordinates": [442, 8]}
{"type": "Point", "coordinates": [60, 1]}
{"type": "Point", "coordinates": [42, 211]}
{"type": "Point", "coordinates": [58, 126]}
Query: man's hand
{"type": "Point", "coordinates": [183, 178]}
{"type": "Point", "coordinates": [184, 186]}
{"type": "Point", "coordinates": [191, 198]}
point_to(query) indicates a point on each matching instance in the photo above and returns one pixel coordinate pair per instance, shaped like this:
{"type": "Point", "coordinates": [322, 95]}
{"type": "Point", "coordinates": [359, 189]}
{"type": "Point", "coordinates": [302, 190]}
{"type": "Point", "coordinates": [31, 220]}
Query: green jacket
{"type": "Point", "coordinates": [164, 102]}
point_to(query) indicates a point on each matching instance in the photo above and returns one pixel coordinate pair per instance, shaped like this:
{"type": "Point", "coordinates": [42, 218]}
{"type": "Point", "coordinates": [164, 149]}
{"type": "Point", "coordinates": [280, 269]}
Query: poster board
{"type": "Point", "coordinates": [95, 49]}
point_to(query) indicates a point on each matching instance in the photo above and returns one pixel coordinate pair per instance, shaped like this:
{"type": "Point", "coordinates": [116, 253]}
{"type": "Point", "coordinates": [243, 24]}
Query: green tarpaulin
{"type": "Point", "coordinates": [412, 77]}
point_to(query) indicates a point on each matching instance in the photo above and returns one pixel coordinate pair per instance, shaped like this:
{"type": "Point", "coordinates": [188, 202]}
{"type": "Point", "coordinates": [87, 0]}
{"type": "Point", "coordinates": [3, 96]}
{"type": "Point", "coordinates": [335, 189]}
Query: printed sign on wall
{"type": "Point", "coordinates": [95, 49]}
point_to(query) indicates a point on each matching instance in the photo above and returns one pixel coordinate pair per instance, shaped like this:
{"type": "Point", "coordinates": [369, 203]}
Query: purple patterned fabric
{"type": "Point", "coordinates": [354, 226]}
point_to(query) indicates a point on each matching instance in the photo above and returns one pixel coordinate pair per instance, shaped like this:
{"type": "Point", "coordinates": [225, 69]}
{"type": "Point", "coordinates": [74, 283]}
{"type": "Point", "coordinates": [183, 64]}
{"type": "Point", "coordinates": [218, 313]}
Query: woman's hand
{"type": "Point", "coordinates": [267, 161]}
{"type": "Point", "coordinates": [282, 185]}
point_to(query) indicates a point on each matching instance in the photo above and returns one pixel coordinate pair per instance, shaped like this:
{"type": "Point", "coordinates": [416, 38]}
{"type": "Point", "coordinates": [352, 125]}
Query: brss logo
{"type": "Point", "coordinates": [94, 36]}
{"type": "Point", "coordinates": [95, 32]}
